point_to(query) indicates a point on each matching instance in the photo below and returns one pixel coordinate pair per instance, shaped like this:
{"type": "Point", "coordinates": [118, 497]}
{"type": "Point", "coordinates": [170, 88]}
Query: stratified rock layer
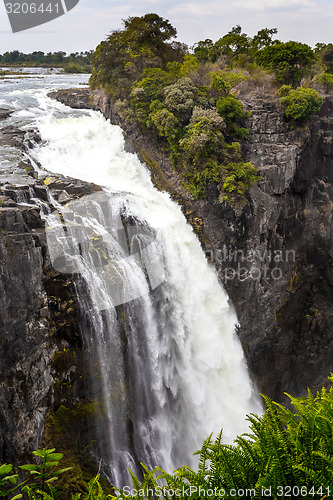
{"type": "Point", "coordinates": [43, 363]}
{"type": "Point", "coordinates": [274, 256]}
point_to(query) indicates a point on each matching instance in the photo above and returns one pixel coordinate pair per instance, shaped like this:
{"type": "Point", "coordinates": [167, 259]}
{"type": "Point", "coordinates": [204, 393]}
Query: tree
{"type": "Point", "coordinates": [231, 45]}
{"type": "Point", "coordinates": [299, 103]}
{"type": "Point", "coordinates": [290, 61]}
{"type": "Point", "coordinates": [326, 58]}
{"type": "Point", "coordinates": [12, 57]}
{"type": "Point", "coordinates": [150, 30]}
{"type": "Point", "coordinates": [121, 59]}
{"type": "Point", "coordinates": [263, 39]}
{"type": "Point", "coordinates": [202, 49]}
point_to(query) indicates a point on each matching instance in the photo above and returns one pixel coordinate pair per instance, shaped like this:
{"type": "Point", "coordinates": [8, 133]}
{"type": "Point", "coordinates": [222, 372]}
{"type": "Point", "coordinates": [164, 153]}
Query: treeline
{"type": "Point", "coordinates": [187, 99]}
{"type": "Point", "coordinates": [284, 455]}
{"type": "Point", "coordinates": [74, 62]}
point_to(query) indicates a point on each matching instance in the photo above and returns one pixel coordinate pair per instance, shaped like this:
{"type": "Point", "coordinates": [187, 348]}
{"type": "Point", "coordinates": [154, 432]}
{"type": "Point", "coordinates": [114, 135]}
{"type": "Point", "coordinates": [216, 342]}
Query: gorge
{"type": "Point", "coordinates": [284, 323]}
{"type": "Point", "coordinates": [115, 331]}
{"type": "Point", "coordinates": [284, 234]}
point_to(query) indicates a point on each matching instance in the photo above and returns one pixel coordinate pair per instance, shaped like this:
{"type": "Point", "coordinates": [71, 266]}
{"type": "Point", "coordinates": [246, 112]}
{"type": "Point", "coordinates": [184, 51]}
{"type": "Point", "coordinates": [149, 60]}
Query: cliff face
{"type": "Point", "coordinates": [275, 256]}
{"type": "Point", "coordinates": [24, 356]}
{"type": "Point", "coordinates": [43, 362]}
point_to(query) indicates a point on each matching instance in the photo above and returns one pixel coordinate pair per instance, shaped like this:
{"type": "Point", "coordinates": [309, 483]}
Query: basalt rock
{"type": "Point", "coordinates": [43, 362]}
{"type": "Point", "coordinates": [12, 136]}
{"type": "Point", "coordinates": [274, 256]}
{"type": "Point", "coordinates": [5, 113]}
{"type": "Point", "coordinates": [75, 98]}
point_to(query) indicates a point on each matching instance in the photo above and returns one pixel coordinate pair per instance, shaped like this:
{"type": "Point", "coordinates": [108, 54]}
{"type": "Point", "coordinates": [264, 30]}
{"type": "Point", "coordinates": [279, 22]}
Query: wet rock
{"type": "Point", "coordinates": [39, 316]}
{"type": "Point", "coordinates": [12, 136]}
{"type": "Point", "coordinates": [274, 256]}
{"type": "Point", "coordinates": [74, 187]}
{"type": "Point", "coordinates": [32, 138]}
{"type": "Point", "coordinates": [5, 113]}
{"type": "Point", "coordinates": [23, 337]}
{"type": "Point", "coordinates": [6, 201]}
{"type": "Point", "coordinates": [75, 98]}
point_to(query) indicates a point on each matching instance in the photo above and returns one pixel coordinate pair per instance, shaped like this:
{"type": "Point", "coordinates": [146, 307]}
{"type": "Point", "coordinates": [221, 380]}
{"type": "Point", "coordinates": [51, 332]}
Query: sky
{"type": "Point", "coordinates": [87, 24]}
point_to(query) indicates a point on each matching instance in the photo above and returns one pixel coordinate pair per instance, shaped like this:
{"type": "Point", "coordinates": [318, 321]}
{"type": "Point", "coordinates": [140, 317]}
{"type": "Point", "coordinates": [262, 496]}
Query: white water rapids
{"type": "Point", "coordinates": [190, 370]}
{"type": "Point", "coordinates": [171, 369]}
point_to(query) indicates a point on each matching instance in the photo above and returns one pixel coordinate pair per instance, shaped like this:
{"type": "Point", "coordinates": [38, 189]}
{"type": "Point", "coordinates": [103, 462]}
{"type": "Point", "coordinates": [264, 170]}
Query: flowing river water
{"type": "Point", "coordinates": [158, 324]}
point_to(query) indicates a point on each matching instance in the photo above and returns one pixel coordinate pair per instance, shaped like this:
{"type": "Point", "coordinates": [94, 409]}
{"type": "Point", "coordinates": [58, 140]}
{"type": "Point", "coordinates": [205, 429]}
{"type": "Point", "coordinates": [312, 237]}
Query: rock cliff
{"type": "Point", "coordinates": [274, 257]}
{"type": "Point", "coordinates": [43, 362]}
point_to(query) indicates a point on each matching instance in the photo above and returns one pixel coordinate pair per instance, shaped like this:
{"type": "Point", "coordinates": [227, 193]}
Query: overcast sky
{"type": "Point", "coordinates": [308, 21]}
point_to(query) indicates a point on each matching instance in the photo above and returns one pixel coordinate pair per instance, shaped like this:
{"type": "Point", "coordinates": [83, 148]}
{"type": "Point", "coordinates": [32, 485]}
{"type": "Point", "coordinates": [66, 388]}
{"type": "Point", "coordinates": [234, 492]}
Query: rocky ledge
{"type": "Point", "coordinates": [75, 98]}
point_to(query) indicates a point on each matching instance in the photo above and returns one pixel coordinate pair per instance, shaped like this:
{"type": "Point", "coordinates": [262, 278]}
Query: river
{"type": "Point", "coordinates": [172, 370]}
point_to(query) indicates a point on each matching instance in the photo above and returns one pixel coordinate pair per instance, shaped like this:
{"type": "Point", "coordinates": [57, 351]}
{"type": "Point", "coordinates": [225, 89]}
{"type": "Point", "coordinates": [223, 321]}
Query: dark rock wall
{"type": "Point", "coordinates": [274, 256]}
{"type": "Point", "coordinates": [43, 362]}
{"type": "Point", "coordinates": [24, 352]}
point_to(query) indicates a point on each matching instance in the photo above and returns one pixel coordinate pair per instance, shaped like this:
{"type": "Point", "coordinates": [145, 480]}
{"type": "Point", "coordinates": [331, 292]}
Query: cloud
{"type": "Point", "coordinates": [220, 8]}
{"type": "Point", "coordinates": [91, 21]}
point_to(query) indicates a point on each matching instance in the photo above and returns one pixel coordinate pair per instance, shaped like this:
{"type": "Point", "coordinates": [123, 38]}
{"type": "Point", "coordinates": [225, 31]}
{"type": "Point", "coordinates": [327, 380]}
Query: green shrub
{"type": "Point", "coordinates": [241, 133]}
{"type": "Point", "coordinates": [150, 88]}
{"type": "Point", "coordinates": [232, 111]}
{"type": "Point", "coordinates": [204, 137]}
{"type": "Point", "coordinates": [290, 61]}
{"type": "Point", "coordinates": [299, 103]}
{"type": "Point", "coordinates": [237, 179]}
{"type": "Point", "coordinates": [326, 79]}
{"type": "Point", "coordinates": [201, 178]}
{"type": "Point", "coordinates": [190, 64]}
{"type": "Point", "coordinates": [164, 123]}
{"type": "Point", "coordinates": [179, 99]}
{"type": "Point", "coordinates": [44, 474]}
{"type": "Point", "coordinates": [226, 80]}
{"type": "Point", "coordinates": [326, 58]}
{"type": "Point", "coordinates": [76, 68]}
{"type": "Point", "coordinates": [8, 481]}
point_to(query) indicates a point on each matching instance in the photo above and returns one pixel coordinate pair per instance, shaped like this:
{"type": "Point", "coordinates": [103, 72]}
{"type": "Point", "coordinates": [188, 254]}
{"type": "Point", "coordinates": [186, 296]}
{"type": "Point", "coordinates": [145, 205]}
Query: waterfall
{"type": "Point", "coordinates": [169, 369]}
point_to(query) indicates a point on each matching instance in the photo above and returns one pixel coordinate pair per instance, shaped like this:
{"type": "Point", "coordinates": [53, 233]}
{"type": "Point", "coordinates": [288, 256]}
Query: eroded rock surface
{"type": "Point", "coordinates": [274, 257]}
{"type": "Point", "coordinates": [43, 363]}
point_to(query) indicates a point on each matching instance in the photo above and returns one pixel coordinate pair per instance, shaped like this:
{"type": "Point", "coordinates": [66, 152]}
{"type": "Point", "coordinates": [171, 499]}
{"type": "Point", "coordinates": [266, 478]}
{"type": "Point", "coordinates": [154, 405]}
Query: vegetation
{"type": "Point", "coordinates": [158, 84]}
{"type": "Point", "coordinates": [78, 61]}
{"type": "Point", "coordinates": [290, 61]}
{"type": "Point", "coordinates": [326, 79]}
{"type": "Point", "coordinates": [43, 480]}
{"type": "Point", "coordinates": [187, 100]}
{"type": "Point", "coordinates": [285, 454]}
{"type": "Point", "coordinates": [299, 103]}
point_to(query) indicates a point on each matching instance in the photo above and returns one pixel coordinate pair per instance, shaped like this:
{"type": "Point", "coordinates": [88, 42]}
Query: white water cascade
{"type": "Point", "coordinates": [159, 327]}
